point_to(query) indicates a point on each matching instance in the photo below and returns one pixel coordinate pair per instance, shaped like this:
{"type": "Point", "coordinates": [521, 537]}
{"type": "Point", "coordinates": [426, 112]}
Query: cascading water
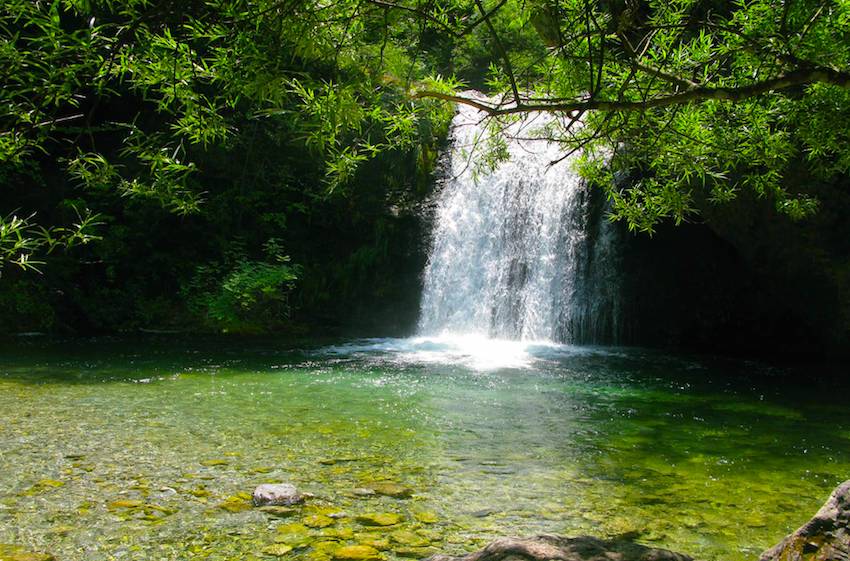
{"type": "Point", "coordinates": [519, 251]}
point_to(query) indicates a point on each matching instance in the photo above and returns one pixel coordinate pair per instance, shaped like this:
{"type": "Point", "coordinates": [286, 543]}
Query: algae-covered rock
{"type": "Point", "coordinates": [390, 489]}
{"type": "Point", "coordinates": [124, 504]}
{"type": "Point", "coordinates": [279, 511]}
{"type": "Point", "coordinates": [9, 552]}
{"type": "Point", "coordinates": [43, 486]}
{"type": "Point", "coordinates": [294, 534]}
{"type": "Point", "coordinates": [373, 541]}
{"type": "Point", "coordinates": [214, 462]}
{"type": "Point", "coordinates": [318, 521]}
{"type": "Point", "coordinates": [235, 503]}
{"type": "Point", "coordinates": [426, 517]}
{"type": "Point", "coordinates": [547, 547]}
{"type": "Point", "coordinates": [277, 494]}
{"type": "Point", "coordinates": [408, 538]}
{"type": "Point", "coordinates": [356, 553]}
{"type": "Point", "coordinates": [277, 549]}
{"type": "Point", "coordinates": [414, 552]}
{"type": "Point", "coordinates": [337, 533]}
{"type": "Point", "coordinates": [379, 519]}
{"type": "Point", "coordinates": [826, 537]}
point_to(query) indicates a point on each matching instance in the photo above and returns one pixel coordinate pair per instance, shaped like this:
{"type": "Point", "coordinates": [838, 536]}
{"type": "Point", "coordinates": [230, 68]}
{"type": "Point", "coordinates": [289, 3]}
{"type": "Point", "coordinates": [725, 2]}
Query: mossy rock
{"type": "Point", "coordinates": [337, 533]}
{"type": "Point", "coordinates": [426, 517]}
{"type": "Point", "coordinates": [415, 552]}
{"type": "Point", "coordinates": [277, 550]}
{"type": "Point", "coordinates": [408, 538]}
{"type": "Point", "coordinates": [10, 552]}
{"type": "Point", "coordinates": [125, 504]}
{"type": "Point", "coordinates": [43, 486]}
{"type": "Point", "coordinates": [381, 543]}
{"type": "Point", "coordinates": [214, 463]}
{"type": "Point", "coordinates": [294, 534]}
{"type": "Point", "coordinates": [278, 511]}
{"type": "Point", "coordinates": [379, 519]}
{"type": "Point", "coordinates": [235, 503]}
{"type": "Point", "coordinates": [357, 553]}
{"type": "Point", "coordinates": [318, 521]}
{"type": "Point", "coordinates": [390, 489]}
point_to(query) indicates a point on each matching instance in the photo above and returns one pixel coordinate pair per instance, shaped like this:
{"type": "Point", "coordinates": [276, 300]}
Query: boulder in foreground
{"type": "Point", "coordinates": [547, 547]}
{"type": "Point", "coordinates": [826, 537]}
{"type": "Point", "coordinates": [276, 494]}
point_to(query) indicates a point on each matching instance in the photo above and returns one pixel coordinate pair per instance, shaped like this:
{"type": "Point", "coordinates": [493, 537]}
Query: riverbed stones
{"type": "Point", "coordinates": [379, 519]}
{"type": "Point", "coordinates": [390, 489]}
{"type": "Point", "coordinates": [10, 552]}
{"type": "Point", "coordinates": [277, 549]}
{"type": "Point", "coordinates": [318, 521]}
{"type": "Point", "coordinates": [826, 537]}
{"type": "Point", "coordinates": [357, 553]}
{"type": "Point", "coordinates": [279, 511]}
{"type": "Point", "coordinates": [277, 494]}
{"type": "Point", "coordinates": [549, 547]}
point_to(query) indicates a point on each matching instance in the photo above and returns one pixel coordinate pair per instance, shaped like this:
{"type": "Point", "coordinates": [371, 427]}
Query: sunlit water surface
{"type": "Point", "coordinates": [715, 458]}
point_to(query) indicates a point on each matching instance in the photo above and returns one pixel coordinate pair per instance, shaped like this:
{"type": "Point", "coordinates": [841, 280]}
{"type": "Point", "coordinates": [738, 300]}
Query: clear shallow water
{"type": "Point", "coordinates": [714, 458]}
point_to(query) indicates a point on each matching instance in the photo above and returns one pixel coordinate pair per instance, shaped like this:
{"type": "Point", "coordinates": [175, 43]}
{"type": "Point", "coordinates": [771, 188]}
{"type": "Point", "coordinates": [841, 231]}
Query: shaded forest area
{"type": "Point", "coordinates": [263, 166]}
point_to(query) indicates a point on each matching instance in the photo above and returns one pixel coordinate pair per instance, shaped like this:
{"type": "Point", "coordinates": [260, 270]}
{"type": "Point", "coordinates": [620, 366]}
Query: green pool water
{"type": "Point", "coordinates": [144, 449]}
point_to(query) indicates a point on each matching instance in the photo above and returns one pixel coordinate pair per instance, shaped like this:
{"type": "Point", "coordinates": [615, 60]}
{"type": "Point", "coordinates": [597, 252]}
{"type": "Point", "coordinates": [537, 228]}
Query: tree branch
{"type": "Point", "coordinates": [786, 81]}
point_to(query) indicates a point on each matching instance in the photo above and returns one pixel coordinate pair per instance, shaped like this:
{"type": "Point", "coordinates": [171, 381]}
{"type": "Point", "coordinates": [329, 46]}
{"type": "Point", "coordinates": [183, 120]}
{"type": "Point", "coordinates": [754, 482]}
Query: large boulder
{"type": "Point", "coordinates": [826, 537]}
{"type": "Point", "coordinates": [276, 494]}
{"type": "Point", "coordinates": [548, 547]}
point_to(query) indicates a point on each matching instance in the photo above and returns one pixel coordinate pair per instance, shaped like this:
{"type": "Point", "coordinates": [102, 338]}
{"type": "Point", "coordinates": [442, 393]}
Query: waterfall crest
{"type": "Point", "coordinates": [519, 251]}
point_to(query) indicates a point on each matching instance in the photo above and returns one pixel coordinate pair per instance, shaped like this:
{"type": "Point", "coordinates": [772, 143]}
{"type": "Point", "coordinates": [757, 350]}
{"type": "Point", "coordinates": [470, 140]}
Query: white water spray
{"type": "Point", "coordinates": [516, 252]}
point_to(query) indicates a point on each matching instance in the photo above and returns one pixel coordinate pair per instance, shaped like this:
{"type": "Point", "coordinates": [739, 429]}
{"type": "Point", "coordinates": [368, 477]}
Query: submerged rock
{"type": "Point", "coordinates": [279, 511]}
{"type": "Point", "coordinates": [583, 548]}
{"type": "Point", "coordinates": [390, 489]}
{"type": "Point", "coordinates": [277, 550]}
{"type": "Point", "coordinates": [357, 553]}
{"type": "Point", "coordinates": [277, 494]}
{"type": "Point", "coordinates": [318, 521]}
{"type": "Point", "coordinates": [379, 519]}
{"type": "Point", "coordinates": [826, 537]}
{"type": "Point", "coordinates": [19, 553]}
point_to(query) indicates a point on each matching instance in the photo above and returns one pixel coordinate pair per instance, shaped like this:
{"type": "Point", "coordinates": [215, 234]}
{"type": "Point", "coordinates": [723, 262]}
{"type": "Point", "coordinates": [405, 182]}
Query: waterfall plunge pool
{"type": "Point", "coordinates": [144, 448]}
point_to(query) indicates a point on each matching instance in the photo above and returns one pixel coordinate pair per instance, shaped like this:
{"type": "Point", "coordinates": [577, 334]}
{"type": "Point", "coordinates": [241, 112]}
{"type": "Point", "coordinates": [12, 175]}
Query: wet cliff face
{"type": "Point", "coordinates": [745, 280]}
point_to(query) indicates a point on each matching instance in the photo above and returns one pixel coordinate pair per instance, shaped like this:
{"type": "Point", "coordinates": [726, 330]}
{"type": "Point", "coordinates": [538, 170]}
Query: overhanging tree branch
{"type": "Point", "coordinates": [800, 77]}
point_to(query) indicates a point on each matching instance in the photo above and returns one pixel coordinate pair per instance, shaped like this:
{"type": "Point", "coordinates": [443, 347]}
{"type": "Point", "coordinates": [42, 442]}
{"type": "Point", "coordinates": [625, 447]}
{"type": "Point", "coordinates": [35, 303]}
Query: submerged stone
{"type": "Point", "coordinates": [9, 552]}
{"type": "Point", "coordinates": [379, 519]}
{"type": "Point", "coordinates": [277, 550]}
{"type": "Point", "coordinates": [337, 533]}
{"type": "Point", "coordinates": [356, 553]}
{"type": "Point", "coordinates": [277, 494]}
{"type": "Point", "coordinates": [426, 517]}
{"type": "Point", "coordinates": [294, 534]}
{"type": "Point", "coordinates": [414, 552]}
{"type": "Point", "coordinates": [408, 538]}
{"type": "Point", "coordinates": [214, 463]}
{"type": "Point", "coordinates": [372, 541]}
{"type": "Point", "coordinates": [279, 511]}
{"type": "Point", "coordinates": [318, 521]}
{"type": "Point", "coordinates": [234, 504]}
{"type": "Point", "coordinates": [44, 485]}
{"type": "Point", "coordinates": [124, 503]}
{"type": "Point", "coordinates": [390, 489]}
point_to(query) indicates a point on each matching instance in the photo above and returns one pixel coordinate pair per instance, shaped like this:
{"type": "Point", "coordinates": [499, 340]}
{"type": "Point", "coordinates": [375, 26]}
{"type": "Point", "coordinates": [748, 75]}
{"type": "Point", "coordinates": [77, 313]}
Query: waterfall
{"type": "Point", "coordinates": [521, 251]}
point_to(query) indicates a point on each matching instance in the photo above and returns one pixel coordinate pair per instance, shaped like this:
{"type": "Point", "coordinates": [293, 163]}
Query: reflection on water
{"type": "Point", "coordinates": [139, 449]}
